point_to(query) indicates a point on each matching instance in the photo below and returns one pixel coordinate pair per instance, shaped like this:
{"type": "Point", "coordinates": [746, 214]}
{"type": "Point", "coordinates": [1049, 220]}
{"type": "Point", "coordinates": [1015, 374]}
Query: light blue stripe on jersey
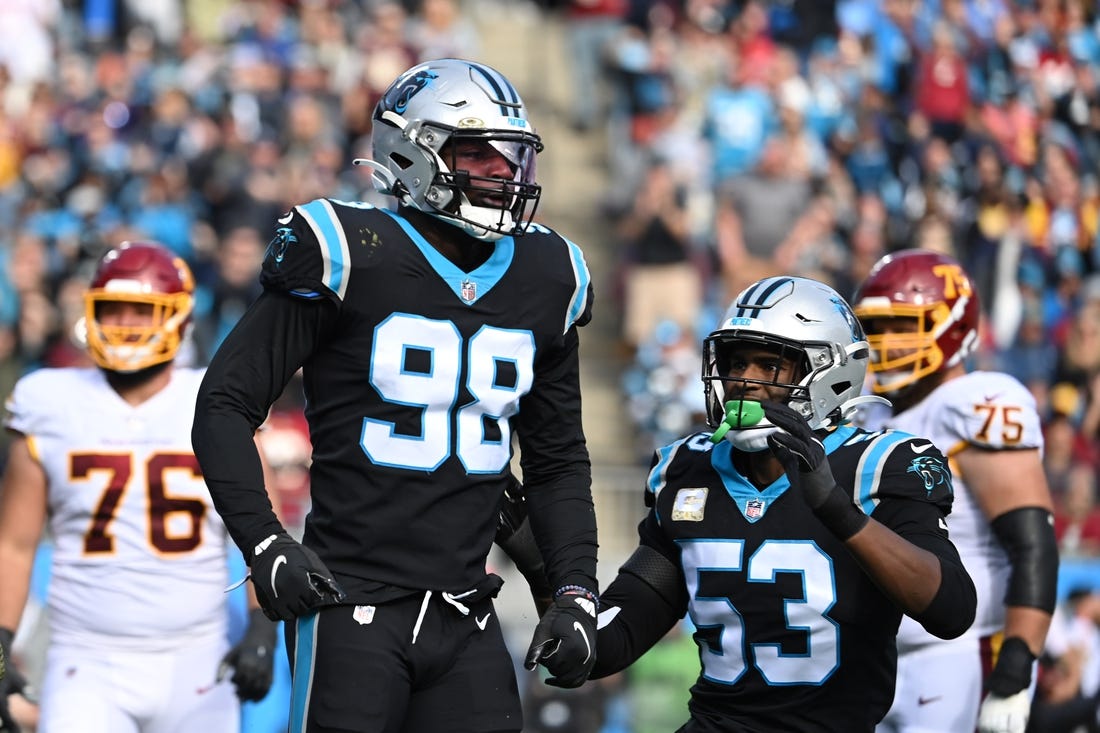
{"type": "Point", "coordinates": [582, 277]}
{"type": "Point", "coordinates": [334, 244]}
{"type": "Point", "coordinates": [657, 479]}
{"type": "Point", "coordinates": [871, 464]}
{"type": "Point", "coordinates": [484, 278]}
{"type": "Point", "coordinates": [302, 683]}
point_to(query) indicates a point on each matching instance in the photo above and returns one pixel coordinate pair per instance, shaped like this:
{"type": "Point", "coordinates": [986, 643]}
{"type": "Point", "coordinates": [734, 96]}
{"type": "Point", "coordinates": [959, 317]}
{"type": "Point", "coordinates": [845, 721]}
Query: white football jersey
{"type": "Point", "coordinates": [139, 552]}
{"type": "Point", "coordinates": [989, 410]}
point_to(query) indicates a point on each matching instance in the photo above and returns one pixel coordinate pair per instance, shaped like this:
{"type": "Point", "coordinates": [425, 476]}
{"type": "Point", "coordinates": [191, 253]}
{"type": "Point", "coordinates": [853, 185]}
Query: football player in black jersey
{"type": "Point", "coordinates": [794, 541]}
{"type": "Point", "coordinates": [426, 336]}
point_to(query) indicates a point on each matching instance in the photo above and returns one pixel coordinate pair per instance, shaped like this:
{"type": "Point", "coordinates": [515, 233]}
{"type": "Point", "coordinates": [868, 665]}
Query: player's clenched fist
{"type": "Point", "coordinates": [565, 638]}
{"type": "Point", "coordinates": [290, 579]}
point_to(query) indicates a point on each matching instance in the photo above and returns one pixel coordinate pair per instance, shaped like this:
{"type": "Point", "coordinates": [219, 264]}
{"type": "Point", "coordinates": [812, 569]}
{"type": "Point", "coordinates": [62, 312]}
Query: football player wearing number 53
{"type": "Point", "coordinates": [425, 335]}
{"type": "Point", "coordinates": [920, 311]}
{"type": "Point", "coordinates": [136, 601]}
{"type": "Point", "coordinates": [794, 541]}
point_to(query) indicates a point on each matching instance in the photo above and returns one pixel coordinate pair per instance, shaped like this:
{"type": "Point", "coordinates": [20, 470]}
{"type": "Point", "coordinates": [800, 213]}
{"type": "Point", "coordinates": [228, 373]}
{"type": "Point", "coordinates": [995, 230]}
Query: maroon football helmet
{"type": "Point", "coordinates": [935, 291]}
{"type": "Point", "coordinates": [145, 273]}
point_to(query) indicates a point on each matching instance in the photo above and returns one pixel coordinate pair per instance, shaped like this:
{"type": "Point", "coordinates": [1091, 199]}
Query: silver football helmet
{"type": "Point", "coordinates": [804, 320]}
{"type": "Point", "coordinates": [450, 100]}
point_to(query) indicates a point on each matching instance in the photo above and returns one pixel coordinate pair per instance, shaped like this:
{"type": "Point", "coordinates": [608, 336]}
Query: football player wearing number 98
{"type": "Point", "coordinates": [921, 314]}
{"type": "Point", "coordinates": [794, 541]}
{"type": "Point", "coordinates": [137, 610]}
{"type": "Point", "coordinates": [426, 336]}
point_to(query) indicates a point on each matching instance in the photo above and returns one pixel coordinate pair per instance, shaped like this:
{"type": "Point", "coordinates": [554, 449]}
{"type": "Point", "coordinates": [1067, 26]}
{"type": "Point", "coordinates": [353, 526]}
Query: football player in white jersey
{"type": "Point", "coordinates": [137, 605]}
{"type": "Point", "coordinates": [921, 314]}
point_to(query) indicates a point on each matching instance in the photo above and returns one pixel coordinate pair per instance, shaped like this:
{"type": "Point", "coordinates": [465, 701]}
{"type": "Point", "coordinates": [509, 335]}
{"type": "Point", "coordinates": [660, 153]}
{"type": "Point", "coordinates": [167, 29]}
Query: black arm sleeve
{"type": "Point", "coordinates": [247, 374]}
{"type": "Point", "coordinates": [557, 475]}
{"type": "Point", "coordinates": [640, 606]}
{"type": "Point", "coordinates": [951, 611]}
{"type": "Point", "coordinates": [1027, 534]}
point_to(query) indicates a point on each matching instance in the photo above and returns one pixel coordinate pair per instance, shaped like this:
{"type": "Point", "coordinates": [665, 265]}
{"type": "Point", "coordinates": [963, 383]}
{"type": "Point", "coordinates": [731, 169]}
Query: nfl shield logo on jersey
{"type": "Point", "coordinates": [689, 505]}
{"type": "Point", "coordinates": [754, 509]}
{"type": "Point", "coordinates": [468, 291]}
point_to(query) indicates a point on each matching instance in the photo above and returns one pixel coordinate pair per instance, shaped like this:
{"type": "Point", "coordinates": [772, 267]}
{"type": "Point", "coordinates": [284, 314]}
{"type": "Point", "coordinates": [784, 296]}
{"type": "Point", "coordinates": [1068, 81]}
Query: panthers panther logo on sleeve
{"type": "Point", "coordinates": [932, 471]}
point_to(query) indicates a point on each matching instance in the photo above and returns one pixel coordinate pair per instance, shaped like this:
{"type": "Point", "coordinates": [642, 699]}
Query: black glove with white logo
{"type": "Point", "coordinates": [12, 682]}
{"type": "Point", "coordinates": [807, 467]}
{"type": "Point", "coordinates": [565, 638]}
{"type": "Point", "coordinates": [290, 579]}
{"type": "Point", "coordinates": [252, 659]}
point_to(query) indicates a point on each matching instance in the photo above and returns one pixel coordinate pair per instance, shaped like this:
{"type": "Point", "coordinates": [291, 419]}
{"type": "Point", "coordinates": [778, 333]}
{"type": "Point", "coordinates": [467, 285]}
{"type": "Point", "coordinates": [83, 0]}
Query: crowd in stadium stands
{"type": "Point", "coordinates": [744, 138]}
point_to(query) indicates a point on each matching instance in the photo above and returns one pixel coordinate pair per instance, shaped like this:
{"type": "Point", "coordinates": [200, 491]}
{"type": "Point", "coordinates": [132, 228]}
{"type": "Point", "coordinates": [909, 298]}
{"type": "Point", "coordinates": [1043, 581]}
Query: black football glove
{"type": "Point", "coordinates": [1007, 707]}
{"type": "Point", "coordinates": [12, 682]}
{"type": "Point", "coordinates": [515, 537]}
{"type": "Point", "coordinates": [565, 638]}
{"type": "Point", "coordinates": [807, 467]}
{"type": "Point", "coordinates": [290, 579]}
{"type": "Point", "coordinates": [252, 659]}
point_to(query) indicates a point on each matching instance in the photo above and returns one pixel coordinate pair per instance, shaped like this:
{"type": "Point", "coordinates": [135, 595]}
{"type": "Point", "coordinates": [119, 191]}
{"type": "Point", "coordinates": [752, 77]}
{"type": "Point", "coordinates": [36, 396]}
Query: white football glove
{"type": "Point", "coordinates": [1005, 714]}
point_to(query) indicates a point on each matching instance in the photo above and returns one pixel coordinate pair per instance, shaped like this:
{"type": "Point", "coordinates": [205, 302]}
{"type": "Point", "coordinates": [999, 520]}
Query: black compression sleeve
{"type": "Point", "coordinates": [942, 618]}
{"type": "Point", "coordinates": [246, 375]}
{"type": "Point", "coordinates": [1027, 534]}
{"type": "Point", "coordinates": [640, 606]}
{"type": "Point", "coordinates": [557, 475]}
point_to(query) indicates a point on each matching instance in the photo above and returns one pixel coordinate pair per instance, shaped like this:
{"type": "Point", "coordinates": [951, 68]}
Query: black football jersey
{"type": "Point", "coordinates": [413, 392]}
{"type": "Point", "coordinates": [793, 634]}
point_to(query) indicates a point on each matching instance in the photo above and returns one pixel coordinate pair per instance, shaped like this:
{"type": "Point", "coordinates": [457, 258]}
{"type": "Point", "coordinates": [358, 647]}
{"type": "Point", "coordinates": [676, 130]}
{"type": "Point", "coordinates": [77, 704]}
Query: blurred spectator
{"type": "Point", "coordinates": [755, 214]}
{"type": "Point", "coordinates": [662, 281]}
{"type": "Point", "coordinates": [590, 28]}
{"type": "Point", "coordinates": [1076, 516]}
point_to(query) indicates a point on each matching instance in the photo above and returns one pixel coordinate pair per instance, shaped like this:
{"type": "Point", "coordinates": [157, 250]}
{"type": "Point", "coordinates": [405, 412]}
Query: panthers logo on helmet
{"type": "Point", "coordinates": [932, 472]}
{"type": "Point", "coordinates": [849, 318]}
{"type": "Point", "coordinates": [398, 96]}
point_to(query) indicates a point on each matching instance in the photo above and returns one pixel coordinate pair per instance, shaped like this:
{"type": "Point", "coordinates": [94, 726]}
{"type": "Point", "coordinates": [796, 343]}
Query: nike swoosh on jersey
{"type": "Point", "coordinates": [926, 700]}
{"type": "Point", "coordinates": [482, 621]}
{"type": "Point", "coordinates": [285, 218]}
{"type": "Point", "coordinates": [584, 635]}
{"type": "Point", "coordinates": [279, 562]}
{"type": "Point", "coordinates": [920, 448]}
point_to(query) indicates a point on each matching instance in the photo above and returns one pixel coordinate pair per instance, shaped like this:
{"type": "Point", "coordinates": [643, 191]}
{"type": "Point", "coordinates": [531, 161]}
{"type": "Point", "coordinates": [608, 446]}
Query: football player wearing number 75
{"type": "Point", "coordinates": [137, 608]}
{"type": "Point", "coordinates": [426, 336]}
{"type": "Point", "coordinates": [794, 541]}
{"type": "Point", "coordinates": [921, 314]}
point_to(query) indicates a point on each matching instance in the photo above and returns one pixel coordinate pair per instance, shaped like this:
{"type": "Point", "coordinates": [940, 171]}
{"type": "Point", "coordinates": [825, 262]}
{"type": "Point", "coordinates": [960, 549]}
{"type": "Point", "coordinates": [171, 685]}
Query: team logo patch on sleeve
{"type": "Point", "coordinates": [276, 249]}
{"type": "Point", "coordinates": [689, 505]}
{"type": "Point", "coordinates": [932, 472]}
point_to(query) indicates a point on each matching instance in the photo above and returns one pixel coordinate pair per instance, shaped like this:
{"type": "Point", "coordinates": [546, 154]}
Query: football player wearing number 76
{"type": "Point", "coordinates": [426, 336]}
{"type": "Point", "coordinates": [794, 541]}
{"type": "Point", "coordinates": [137, 608]}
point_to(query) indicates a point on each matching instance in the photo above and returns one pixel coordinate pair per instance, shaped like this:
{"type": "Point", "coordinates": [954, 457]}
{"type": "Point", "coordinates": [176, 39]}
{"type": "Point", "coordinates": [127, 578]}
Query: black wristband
{"type": "Point", "coordinates": [840, 515]}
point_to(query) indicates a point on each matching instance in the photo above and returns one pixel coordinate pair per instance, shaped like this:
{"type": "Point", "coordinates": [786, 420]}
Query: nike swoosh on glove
{"type": "Point", "coordinates": [565, 639]}
{"type": "Point", "coordinates": [290, 578]}
{"type": "Point", "coordinates": [252, 659]}
{"type": "Point", "coordinates": [12, 682]}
